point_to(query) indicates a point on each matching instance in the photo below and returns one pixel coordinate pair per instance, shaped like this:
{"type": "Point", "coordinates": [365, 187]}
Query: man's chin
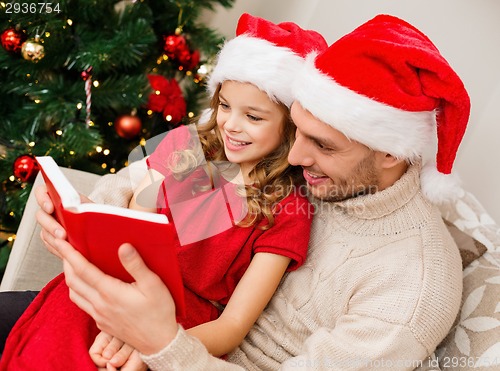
{"type": "Point", "coordinates": [323, 194]}
{"type": "Point", "coordinates": [328, 198]}
{"type": "Point", "coordinates": [329, 194]}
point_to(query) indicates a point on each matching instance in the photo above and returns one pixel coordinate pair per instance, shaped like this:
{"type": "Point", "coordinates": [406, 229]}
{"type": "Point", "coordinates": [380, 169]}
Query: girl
{"type": "Point", "coordinates": [238, 269]}
{"type": "Point", "coordinates": [230, 273]}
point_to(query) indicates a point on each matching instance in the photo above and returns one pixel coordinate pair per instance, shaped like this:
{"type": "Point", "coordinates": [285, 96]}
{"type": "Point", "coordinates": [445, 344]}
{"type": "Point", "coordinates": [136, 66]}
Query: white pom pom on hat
{"type": "Point", "coordinates": [439, 187]}
{"type": "Point", "coordinates": [386, 85]}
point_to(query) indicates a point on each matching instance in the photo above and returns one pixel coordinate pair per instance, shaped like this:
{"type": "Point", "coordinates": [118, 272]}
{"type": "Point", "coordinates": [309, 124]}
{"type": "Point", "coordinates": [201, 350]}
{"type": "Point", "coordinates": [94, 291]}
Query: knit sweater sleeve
{"type": "Point", "coordinates": [117, 189]}
{"type": "Point", "coordinates": [354, 344]}
{"type": "Point", "coordinates": [187, 353]}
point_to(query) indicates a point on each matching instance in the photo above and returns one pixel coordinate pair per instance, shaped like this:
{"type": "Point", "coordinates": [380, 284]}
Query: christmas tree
{"type": "Point", "coordinates": [86, 81]}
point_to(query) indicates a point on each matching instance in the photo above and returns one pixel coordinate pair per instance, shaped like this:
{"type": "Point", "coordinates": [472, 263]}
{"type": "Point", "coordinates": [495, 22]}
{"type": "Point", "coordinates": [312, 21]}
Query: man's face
{"type": "Point", "coordinates": [335, 168]}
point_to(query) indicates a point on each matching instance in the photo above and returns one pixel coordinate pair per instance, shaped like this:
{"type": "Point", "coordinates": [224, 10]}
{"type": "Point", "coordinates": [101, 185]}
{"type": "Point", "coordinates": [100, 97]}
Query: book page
{"type": "Point", "coordinates": [53, 175]}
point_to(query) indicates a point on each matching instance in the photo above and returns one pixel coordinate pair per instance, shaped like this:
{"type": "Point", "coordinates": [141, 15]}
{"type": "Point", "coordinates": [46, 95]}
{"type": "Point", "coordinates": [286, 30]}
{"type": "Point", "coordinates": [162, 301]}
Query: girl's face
{"type": "Point", "coordinates": [251, 124]}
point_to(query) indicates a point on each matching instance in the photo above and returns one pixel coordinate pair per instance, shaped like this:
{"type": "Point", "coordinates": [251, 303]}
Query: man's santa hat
{"type": "Point", "coordinates": [386, 85]}
{"type": "Point", "coordinates": [265, 54]}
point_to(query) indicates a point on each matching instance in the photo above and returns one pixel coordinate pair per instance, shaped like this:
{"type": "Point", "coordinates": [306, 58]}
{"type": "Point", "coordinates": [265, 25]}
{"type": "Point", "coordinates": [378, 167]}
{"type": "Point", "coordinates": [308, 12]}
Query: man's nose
{"type": "Point", "coordinates": [300, 153]}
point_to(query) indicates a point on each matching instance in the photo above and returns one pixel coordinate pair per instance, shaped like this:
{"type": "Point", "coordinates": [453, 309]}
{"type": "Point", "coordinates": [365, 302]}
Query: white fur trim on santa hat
{"type": "Point", "coordinates": [249, 59]}
{"type": "Point", "coordinates": [379, 126]}
{"type": "Point", "coordinates": [437, 187]}
{"type": "Point", "coordinates": [205, 116]}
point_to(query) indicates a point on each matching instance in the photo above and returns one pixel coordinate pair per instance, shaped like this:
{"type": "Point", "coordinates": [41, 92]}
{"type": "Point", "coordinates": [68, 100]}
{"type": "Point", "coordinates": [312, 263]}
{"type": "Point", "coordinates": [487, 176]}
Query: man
{"type": "Point", "coordinates": [381, 286]}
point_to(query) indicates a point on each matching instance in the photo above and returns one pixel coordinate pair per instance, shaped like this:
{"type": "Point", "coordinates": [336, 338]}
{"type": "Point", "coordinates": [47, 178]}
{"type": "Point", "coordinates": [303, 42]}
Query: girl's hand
{"type": "Point", "coordinates": [142, 314]}
{"type": "Point", "coordinates": [111, 353]}
{"type": "Point", "coordinates": [133, 363]}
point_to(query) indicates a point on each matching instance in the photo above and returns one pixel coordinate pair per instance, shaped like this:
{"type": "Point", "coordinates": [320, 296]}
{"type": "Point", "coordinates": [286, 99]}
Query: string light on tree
{"type": "Point", "coordinates": [202, 72]}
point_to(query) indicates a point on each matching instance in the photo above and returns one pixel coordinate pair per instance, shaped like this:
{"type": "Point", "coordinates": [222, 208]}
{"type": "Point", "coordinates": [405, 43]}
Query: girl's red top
{"type": "Point", "coordinates": [214, 252]}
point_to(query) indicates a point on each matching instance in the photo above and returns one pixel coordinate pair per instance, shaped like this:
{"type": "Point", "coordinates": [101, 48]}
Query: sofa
{"type": "Point", "coordinates": [472, 343]}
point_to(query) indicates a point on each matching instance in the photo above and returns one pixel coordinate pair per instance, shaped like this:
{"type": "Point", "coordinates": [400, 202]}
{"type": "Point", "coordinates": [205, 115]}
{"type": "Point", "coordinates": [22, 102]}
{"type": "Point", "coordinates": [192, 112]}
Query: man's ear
{"type": "Point", "coordinates": [388, 161]}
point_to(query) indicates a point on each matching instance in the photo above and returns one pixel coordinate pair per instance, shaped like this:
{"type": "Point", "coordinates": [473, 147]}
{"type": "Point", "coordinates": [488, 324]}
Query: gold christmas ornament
{"type": "Point", "coordinates": [33, 50]}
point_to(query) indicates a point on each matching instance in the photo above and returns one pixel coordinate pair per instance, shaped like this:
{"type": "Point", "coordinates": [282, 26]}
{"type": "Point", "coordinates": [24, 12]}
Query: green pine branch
{"type": "Point", "coordinates": [43, 104]}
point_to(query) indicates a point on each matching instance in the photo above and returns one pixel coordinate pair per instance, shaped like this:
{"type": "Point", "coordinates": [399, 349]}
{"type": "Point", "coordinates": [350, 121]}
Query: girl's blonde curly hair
{"type": "Point", "coordinates": [273, 177]}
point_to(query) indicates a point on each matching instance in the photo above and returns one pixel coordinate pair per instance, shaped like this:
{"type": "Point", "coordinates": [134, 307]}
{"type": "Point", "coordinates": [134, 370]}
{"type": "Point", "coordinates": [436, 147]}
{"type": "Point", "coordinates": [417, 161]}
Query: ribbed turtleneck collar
{"type": "Point", "coordinates": [364, 214]}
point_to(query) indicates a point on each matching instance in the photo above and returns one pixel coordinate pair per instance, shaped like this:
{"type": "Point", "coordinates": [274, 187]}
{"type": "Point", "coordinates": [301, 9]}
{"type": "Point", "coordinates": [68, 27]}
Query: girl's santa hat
{"type": "Point", "coordinates": [266, 55]}
{"type": "Point", "coordinates": [387, 86]}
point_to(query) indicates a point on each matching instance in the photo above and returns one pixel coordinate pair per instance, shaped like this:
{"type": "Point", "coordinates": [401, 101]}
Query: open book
{"type": "Point", "coordinates": [97, 230]}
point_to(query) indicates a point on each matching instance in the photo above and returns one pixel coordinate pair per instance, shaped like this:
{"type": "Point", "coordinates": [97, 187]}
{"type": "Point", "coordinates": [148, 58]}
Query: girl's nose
{"type": "Point", "coordinates": [232, 123]}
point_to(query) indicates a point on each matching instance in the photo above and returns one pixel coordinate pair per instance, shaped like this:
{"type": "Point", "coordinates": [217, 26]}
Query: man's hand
{"type": "Point", "coordinates": [51, 229]}
{"type": "Point", "coordinates": [142, 314]}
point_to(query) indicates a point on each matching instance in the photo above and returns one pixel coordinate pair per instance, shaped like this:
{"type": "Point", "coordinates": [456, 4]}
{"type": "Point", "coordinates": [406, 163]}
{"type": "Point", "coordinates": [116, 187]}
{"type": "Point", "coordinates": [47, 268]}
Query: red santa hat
{"type": "Point", "coordinates": [265, 54]}
{"type": "Point", "coordinates": [386, 85]}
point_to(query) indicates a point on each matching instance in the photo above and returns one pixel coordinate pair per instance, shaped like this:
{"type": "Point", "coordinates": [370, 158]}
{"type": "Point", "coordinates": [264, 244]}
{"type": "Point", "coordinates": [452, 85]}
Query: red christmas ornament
{"type": "Point", "coordinates": [174, 44]}
{"type": "Point", "coordinates": [12, 40]}
{"type": "Point", "coordinates": [86, 74]}
{"type": "Point", "coordinates": [25, 168]}
{"type": "Point", "coordinates": [188, 60]}
{"type": "Point", "coordinates": [128, 126]}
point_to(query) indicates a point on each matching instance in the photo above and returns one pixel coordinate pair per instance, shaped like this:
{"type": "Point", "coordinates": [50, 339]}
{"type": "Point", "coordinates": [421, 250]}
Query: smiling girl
{"type": "Point", "coordinates": [230, 271]}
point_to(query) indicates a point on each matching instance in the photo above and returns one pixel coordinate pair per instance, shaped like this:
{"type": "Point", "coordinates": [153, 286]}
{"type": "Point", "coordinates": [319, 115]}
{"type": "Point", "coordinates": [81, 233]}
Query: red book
{"type": "Point", "coordinates": [97, 230]}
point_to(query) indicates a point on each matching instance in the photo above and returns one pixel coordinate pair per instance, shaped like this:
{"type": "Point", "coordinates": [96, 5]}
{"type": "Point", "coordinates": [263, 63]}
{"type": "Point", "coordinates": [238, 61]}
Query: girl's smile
{"type": "Point", "coordinates": [235, 145]}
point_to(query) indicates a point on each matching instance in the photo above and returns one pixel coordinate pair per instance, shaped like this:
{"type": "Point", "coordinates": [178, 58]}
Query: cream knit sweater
{"type": "Point", "coordinates": [380, 289]}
